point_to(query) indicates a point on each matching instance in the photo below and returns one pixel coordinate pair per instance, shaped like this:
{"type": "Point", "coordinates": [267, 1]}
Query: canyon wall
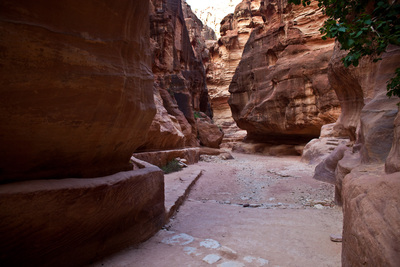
{"type": "Point", "coordinates": [280, 91]}
{"type": "Point", "coordinates": [213, 13]}
{"type": "Point", "coordinates": [77, 101]}
{"type": "Point", "coordinates": [367, 192]}
{"type": "Point", "coordinates": [179, 77]}
{"type": "Point", "coordinates": [366, 171]}
{"type": "Point", "coordinates": [225, 55]}
{"type": "Point", "coordinates": [76, 88]}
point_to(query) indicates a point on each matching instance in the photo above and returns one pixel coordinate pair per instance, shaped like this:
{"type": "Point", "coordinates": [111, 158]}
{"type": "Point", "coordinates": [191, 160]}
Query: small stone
{"type": "Point", "coordinates": [231, 264]}
{"type": "Point", "coordinates": [210, 243]}
{"type": "Point", "coordinates": [246, 205]}
{"type": "Point", "coordinates": [211, 258]}
{"type": "Point", "coordinates": [319, 207]}
{"type": "Point", "coordinates": [255, 205]}
{"type": "Point", "coordinates": [190, 250]}
{"type": "Point", "coordinates": [180, 239]}
{"type": "Point", "coordinates": [336, 238]}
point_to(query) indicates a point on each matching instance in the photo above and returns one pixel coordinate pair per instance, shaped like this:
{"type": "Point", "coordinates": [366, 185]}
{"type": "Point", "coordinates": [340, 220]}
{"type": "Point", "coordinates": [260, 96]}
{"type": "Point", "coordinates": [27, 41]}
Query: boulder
{"type": "Point", "coordinates": [210, 135]}
{"type": "Point", "coordinates": [319, 149]}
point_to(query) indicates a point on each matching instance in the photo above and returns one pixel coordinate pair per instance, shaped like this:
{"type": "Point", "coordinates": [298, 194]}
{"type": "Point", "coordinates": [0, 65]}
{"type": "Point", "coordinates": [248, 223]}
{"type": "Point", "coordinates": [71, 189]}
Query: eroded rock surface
{"type": "Point", "coordinates": [210, 135]}
{"type": "Point", "coordinates": [280, 90]}
{"type": "Point", "coordinates": [179, 77]}
{"type": "Point", "coordinates": [76, 87]}
{"type": "Point", "coordinates": [213, 13]}
{"type": "Point", "coordinates": [368, 118]}
{"type": "Point", "coordinates": [225, 55]}
{"type": "Point", "coordinates": [371, 219]}
{"type": "Point", "coordinates": [76, 102]}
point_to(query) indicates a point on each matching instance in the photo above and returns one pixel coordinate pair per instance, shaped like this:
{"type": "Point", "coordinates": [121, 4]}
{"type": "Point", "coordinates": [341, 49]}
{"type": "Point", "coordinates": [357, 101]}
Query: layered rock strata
{"type": "Point", "coordinates": [73, 222]}
{"type": "Point", "coordinates": [76, 87]}
{"type": "Point", "coordinates": [280, 91]}
{"type": "Point", "coordinates": [179, 78]}
{"type": "Point", "coordinates": [76, 102]}
{"type": "Point", "coordinates": [225, 55]}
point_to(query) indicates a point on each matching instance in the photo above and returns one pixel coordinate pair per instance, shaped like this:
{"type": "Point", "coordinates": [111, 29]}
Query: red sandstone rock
{"type": "Point", "coordinates": [179, 77]}
{"type": "Point", "coordinates": [371, 219]}
{"type": "Point", "coordinates": [368, 195]}
{"type": "Point", "coordinates": [209, 134]}
{"type": "Point", "coordinates": [393, 160]}
{"type": "Point", "coordinates": [76, 102]}
{"type": "Point", "coordinates": [225, 56]}
{"type": "Point", "coordinates": [280, 89]}
{"type": "Point", "coordinates": [76, 87]}
{"type": "Point", "coordinates": [73, 222]}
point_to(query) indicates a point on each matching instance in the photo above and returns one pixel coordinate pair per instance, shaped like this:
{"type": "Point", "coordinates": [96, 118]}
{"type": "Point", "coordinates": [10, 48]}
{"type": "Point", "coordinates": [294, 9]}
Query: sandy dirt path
{"type": "Point", "coordinates": [250, 211]}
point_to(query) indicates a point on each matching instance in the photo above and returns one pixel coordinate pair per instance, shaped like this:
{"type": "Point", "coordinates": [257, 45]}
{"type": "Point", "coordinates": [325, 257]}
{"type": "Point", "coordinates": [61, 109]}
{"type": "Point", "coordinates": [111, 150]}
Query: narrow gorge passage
{"type": "Point", "coordinates": [252, 210]}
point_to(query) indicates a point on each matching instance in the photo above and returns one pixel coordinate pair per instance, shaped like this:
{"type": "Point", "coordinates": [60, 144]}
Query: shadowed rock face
{"type": "Point", "coordinates": [76, 102]}
{"type": "Point", "coordinates": [367, 193]}
{"type": "Point", "coordinates": [179, 78]}
{"type": "Point", "coordinates": [280, 89]}
{"type": "Point", "coordinates": [76, 87]}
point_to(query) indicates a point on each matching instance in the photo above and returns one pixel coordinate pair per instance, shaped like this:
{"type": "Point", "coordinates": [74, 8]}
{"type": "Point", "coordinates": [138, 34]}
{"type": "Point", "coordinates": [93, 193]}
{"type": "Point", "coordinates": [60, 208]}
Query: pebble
{"type": "Point", "coordinates": [336, 238]}
{"type": "Point", "coordinates": [210, 243]}
{"type": "Point", "coordinates": [319, 207]}
{"type": "Point", "coordinates": [181, 239]}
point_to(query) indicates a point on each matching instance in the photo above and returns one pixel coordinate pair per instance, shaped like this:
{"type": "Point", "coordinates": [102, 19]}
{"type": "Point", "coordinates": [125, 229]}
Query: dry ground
{"type": "Point", "coordinates": [250, 211]}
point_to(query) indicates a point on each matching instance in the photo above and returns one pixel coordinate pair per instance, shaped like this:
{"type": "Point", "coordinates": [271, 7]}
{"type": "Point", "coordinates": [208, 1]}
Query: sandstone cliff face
{"type": "Point", "coordinates": [179, 78]}
{"type": "Point", "coordinates": [77, 100]}
{"type": "Point", "coordinates": [280, 91]}
{"type": "Point", "coordinates": [367, 193]}
{"type": "Point", "coordinates": [76, 87]}
{"type": "Point", "coordinates": [362, 195]}
{"type": "Point", "coordinates": [213, 14]}
{"type": "Point", "coordinates": [225, 56]}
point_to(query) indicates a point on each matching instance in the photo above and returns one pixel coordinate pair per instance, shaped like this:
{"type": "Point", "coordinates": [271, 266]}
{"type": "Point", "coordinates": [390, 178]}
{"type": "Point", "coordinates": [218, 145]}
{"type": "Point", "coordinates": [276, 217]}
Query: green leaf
{"type": "Point", "coordinates": [358, 34]}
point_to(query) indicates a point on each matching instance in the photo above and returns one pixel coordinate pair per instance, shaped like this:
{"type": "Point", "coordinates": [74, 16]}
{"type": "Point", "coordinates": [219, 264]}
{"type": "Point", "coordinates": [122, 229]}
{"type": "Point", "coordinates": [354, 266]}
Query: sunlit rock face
{"type": "Point", "coordinates": [225, 55]}
{"type": "Point", "coordinates": [211, 14]}
{"type": "Point", "coordinates": [280, 91]}
{"type": "Point", "coordinates": [76, 87]}
{"type": "Point", "coordinates": [179, 78]}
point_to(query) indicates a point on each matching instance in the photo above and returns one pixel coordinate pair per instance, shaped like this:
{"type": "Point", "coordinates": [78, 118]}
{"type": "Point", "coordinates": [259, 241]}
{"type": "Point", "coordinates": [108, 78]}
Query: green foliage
{"type": "Point", "coordinates": [363, 28]}
{"type": "Point", "coordinates": [196, 114]}
{"type": "Point", "coordinates": [172, 166]}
